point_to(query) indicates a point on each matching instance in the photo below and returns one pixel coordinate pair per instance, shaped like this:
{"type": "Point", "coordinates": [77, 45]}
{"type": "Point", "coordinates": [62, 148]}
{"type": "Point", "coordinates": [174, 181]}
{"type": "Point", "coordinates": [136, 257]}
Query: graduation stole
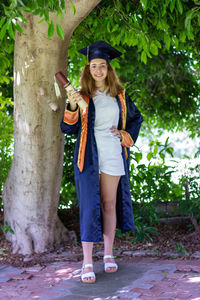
{"type": "Point", "coordinates": [84, 128]}
{"type": "Point", "coordinates": [122, 99]}
{"type": "Point", "coordinates": [83, 138]}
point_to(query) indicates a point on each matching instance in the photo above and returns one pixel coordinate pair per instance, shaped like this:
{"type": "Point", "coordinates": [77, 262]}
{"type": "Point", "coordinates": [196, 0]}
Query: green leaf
{"type": "Point", "coordinates": [60, 13]}
{"type": "Point", "coordinates": [190, 35]}
{"type": "Point", "coordinates": [167, 41]}
{"type": "Point", "coordinates": [27, 9]}
{"type": "Point", "coordinates": [62, 4]}
{"type": "Point", "coordinates": [144, 4]}
{"type": "Point", "coordinates": [162, 156]}
{"type": "Point", "coordinates": [147, 236]}
{"type": "Point", "coordinates": [144, 43]}
{"type": "Point", "coordinates": [73, 7]}
{"type": "Point", "coordinates": [50, 30]}
{"type": "Point", "coordinates": [188, 20]}
{"type": "Point", "coordinates": [176, 41]}
{"type": "Point", "coordinates": [144, 26]}
{"type": "Point", "coordinates": [158, 44]}
{"type": "Point", "coordinates": [132, 42]}
{"type": "Point", "coordinates": [150, 155]}
{"type": "Point", "coordinates": [10, 31]}
{"type": "Point", "coordinates": [166, 141]}
{"type": "Point", "coordinates": [144, 57]}
{"type": "Point", "coordinates": [164, 10]}
{"type": "Point", "coordinates": [159, 24]}
{"type": "Point", "coordinates": [198, 19]}
{"type": "Point", "coordinates": [60, 31]}
{"type": "Point", "coordinates": [172, 5]}
{"type": "Point", "coordinates": [3, 30]}
{"type": "Point", "coordinates": [41, 21]}
{"type": "Point", "coordinates": [46, 15]}
{"type": "Point", "coordinates": [170, 150]}
{"type": "Point", "coordinates": [2, 21]}
{"type": "Point", "coordinates": [18, 27]}
{"type": "Point", "coordinates": [128, 7]}
{"type": "Point", "coordinates": [148, 54]}
{"type": "Point", "coordinates": [108, 26]}
{"type": "Point", "coordinates": [151, 143]}
{"type": "Point", "coordinates": [37, 11]}
{"type": "Point", "coordinates": [115, 27]}
{"type": "Point", "coordinates": [153, 48]}
{"type": "Point", "coordinates": [118, 39]}
{"type": "Point", "coordinates": [20, 2]}
{"type": "Point", "coordinates": [182, 36]}
{"type": "Point", "coordinates": [179, 6]}
{"type": "Point", "coordinates": [138, 156]}
{"type": "Point", "coordinates": [155, 151]}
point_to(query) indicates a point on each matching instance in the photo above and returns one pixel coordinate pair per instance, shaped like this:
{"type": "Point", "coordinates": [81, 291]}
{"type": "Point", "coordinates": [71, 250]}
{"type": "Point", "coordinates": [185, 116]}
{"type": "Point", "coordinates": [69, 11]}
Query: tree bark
{"type": "Point", "coordinates": [31, 192]}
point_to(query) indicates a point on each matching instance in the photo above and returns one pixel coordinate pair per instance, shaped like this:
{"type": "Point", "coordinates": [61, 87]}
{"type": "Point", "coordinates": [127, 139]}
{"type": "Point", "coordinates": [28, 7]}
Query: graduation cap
{"type": "Point", "coordinates": [100, 49]}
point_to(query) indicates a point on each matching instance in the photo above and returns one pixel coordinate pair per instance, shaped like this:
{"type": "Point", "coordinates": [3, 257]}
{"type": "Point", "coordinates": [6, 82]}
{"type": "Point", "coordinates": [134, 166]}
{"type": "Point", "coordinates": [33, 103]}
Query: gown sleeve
{"type": "Point", "coordinates": [71, 121]}
{"type": "Point", "coordinates": [134, 120]}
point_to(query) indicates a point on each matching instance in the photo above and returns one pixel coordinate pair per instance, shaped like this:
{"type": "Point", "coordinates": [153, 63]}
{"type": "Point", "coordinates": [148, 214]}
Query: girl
{"type": "Point", "coordinates": [105, 131]}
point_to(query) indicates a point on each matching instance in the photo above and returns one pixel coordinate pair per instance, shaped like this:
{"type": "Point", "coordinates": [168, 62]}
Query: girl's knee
{"type": "Point", "coordinates": [108, 206]}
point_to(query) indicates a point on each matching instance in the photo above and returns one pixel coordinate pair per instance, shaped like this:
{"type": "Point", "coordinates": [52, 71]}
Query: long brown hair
{"type": "Point", "coordinates": [112, 82]}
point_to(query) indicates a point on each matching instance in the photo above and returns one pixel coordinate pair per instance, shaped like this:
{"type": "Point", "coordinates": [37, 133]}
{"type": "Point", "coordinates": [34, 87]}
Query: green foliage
{"type": "Point", "coordinates": [181, 249]}
{"type": "Point", "coordinates": [120, 234]}
{"type": "Point", "coordinates": [190, 182]}
{"type": "Point", "coordinates": [73, 7]}
{"type": "Point", "coordinates": [160, 149]}
{"type": "Point", "coordinates": [142, 232]}
{"type": "Point", "coordinates": [145, 218]}
{"type": "Point", "coordinates": [68, 192]}
{"type": "Point", "coordinates": [166, 89]}
{"type": "Point", "coordinates": [60, 31]}
{"type": "Point", "coordinates": [12, 18]}
{"type": "Point", "coordinates": [145, 212]}
{"type": "Point", "coordinates": [148, 25]}
{"type": "Point", "coordinates": [153, 182]}
{"type": "Point", "coordinates": [6, 141]}
{"type": "Point", "coordinates": [6, 228]}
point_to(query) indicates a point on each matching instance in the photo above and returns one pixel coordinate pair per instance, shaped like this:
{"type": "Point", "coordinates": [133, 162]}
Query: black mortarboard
{"type": "Point", "coordinates": [100, 49]}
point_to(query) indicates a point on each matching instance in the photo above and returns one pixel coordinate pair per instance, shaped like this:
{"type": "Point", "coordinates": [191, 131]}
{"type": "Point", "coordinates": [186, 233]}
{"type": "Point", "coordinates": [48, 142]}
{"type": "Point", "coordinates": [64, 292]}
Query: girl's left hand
{"type": "Point", "coordinates": [116, 132]}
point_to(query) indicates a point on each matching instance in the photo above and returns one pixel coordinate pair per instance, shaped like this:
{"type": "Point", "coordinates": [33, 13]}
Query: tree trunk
{"type": "Point", "coordinates": [31, 192]}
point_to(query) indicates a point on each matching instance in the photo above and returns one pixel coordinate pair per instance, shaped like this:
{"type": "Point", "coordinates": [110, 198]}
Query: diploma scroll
{"type": "Point", "coordinates": [68, 87]}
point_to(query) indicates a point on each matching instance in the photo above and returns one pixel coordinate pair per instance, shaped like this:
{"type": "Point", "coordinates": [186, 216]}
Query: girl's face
{"type": "Point", "coordinates": [98, 69]}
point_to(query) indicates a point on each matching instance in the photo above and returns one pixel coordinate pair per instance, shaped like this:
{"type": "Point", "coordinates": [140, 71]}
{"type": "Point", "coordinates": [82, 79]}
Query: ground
{"type": "Point", "coordinates": [170, 238]}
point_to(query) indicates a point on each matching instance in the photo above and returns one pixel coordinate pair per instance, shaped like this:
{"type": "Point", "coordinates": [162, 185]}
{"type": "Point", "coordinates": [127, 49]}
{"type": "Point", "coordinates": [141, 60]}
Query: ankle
{"type": "Point", "coordinates": [108, 257]}
{"type": "Point", "coordinates": [109, 252]}
{"type": "Point", "coordinates": [87, 268]}
{"type": "Point", "coordinates": [87, 262]}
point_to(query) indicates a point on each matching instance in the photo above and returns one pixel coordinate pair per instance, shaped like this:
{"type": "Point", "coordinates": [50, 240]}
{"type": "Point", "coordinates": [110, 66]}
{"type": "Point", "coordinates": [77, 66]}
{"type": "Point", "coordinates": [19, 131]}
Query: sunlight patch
{"type": "Point", "coordinates": [195, 279]}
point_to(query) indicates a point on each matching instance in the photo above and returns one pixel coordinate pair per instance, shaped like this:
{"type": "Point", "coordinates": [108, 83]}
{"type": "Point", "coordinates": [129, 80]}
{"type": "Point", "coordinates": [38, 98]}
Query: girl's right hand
{"type": "Point", "coordinates": [74, 98]}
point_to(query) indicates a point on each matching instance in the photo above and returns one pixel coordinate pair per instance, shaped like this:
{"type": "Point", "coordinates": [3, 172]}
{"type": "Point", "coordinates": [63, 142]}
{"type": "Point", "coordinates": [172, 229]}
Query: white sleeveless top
{"type": "Point", "coordinates": [108, 146]}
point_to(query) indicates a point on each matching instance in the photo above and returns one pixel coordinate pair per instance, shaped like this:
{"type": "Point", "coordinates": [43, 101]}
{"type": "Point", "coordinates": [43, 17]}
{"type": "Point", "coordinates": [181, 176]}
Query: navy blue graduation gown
{"type": "Point", "coordinates": [87, 181]}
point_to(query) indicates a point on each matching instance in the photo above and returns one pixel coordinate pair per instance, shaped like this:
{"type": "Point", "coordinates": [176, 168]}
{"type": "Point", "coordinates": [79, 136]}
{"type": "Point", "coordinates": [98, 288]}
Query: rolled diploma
{"type": "Point", "coordinates": [68, 87]}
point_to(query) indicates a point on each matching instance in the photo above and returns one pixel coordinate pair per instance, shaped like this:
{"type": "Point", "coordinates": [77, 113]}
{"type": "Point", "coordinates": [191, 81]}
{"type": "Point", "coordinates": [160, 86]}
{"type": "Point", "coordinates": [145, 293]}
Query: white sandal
{"type": "Point", "coordinates": [108, 265]}
{"type": "Point", "coordinates": [88, 274]}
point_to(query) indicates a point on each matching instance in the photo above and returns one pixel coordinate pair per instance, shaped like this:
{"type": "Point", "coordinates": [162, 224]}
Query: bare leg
{"type": "Point", "coordinates": [87, 257]}
{"type": "Point", "coordinates": [108, 185]}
